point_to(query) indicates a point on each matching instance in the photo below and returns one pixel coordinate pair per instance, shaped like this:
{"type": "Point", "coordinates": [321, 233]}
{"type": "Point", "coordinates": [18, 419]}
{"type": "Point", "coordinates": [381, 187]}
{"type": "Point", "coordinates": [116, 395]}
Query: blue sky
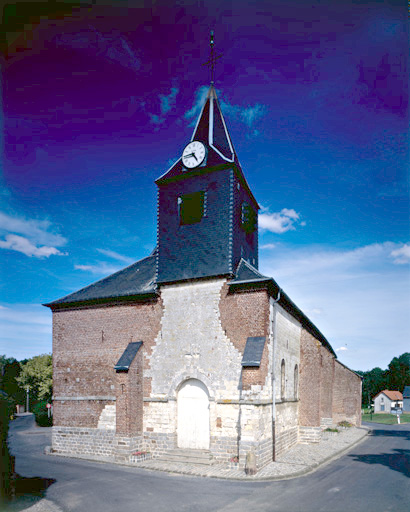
{"type": "Point", "coordinates": [98, 102]}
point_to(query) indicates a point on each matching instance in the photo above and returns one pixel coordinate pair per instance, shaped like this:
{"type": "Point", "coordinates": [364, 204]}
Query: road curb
{"type": "Point", "coordinates": [245, 478]}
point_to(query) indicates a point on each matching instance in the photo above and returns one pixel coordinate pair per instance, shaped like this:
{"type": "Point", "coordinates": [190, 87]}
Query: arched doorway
{"type": "Point", "coordinates": [193, 415]}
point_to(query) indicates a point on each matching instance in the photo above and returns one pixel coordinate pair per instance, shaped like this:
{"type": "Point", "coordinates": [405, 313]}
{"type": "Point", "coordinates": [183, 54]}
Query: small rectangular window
{"type": "Point", "coordinates": [191, 208]}
{"type": "Point", "coordinates": [248, 218]}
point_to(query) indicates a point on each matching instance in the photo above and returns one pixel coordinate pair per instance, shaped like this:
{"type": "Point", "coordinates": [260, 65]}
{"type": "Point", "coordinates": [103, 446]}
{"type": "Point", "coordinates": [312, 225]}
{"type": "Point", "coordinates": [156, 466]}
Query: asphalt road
{"type": "Point", "coordinates": [374, 476]}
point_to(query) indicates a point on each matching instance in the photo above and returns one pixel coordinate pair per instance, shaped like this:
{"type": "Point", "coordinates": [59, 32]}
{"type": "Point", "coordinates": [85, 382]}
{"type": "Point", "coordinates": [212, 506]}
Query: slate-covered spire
{"type": "Point", "coordinates": [211, 128]}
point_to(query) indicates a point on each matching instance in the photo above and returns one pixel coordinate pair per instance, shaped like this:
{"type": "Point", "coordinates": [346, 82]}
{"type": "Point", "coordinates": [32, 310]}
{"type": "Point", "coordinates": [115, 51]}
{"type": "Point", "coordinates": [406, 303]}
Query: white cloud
{"type": "Point", "coordinates": [278, 222]}
{"type": "Point", "coordinates": [267, 246]}
{"type": "Point", "coordinates": [252, 114]}
{"type": "Point", "coordinates": [100, 268]}
{"type": "Point", "coordinates": [340, 349]}
{"type": "Point", "coordinates": [114, 255]}
{"type": "Point", "coordinates": [200, 97]}
{"type": "Point", "coordinates": [37, 239]}
{"type": "Point", "coordinates": [402, 255]}
{"type": "Point", "coordinates": [167, 102]}
{"type": "Point", "coordinates": [155, 119]}
{"type": "Point", "coordinates": [21, 244]}
{"type": "Point", "coordinates": [248, 115]}
{"type": "Point", "coordinates": [112, 46]}
{"type": "Point", "coordinates": [36, 229]}
{"type": "Point", "coordinates": [362, 296]}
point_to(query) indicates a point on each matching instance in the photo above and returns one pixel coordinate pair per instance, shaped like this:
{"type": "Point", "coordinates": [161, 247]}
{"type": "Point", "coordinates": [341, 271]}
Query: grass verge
{"type": "Point", "coordinates": [386, 419]}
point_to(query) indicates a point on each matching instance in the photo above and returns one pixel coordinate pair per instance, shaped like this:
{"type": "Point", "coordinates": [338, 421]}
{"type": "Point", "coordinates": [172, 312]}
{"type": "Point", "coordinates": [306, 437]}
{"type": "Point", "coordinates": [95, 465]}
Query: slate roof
{"type": "Point", "coordinates": [136, 280]}
{"type": "Point", "coordinates": [128, 356]}
{"type": "Point", "coordinates": [252, 355]}
{"type": "Point", "coordinates": [392, 395]}
{"type": "Point", "coordinates": [406, 392]}
{"type": "Point", "coordinates": [210, 129]}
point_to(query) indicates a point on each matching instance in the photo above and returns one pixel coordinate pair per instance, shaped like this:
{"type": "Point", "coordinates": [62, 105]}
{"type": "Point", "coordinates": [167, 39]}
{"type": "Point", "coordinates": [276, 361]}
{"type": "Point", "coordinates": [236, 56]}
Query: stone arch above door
{"type": "Point", "coordinates": [179, 379]}
{"type": "Point", "coordinates": [193, 428]}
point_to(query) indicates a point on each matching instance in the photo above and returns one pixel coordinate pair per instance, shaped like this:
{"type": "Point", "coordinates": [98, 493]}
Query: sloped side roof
{"type": "Point", "coordinates": [392, 395]}
{"type": "Point", "coordinates": [406, 392]}
{"type": "Point", "coordinates": [137, 279]}
{"type": "Point", "coordinates": [247, 277]}
{"type": "Point", "coordinates": [128, 356]}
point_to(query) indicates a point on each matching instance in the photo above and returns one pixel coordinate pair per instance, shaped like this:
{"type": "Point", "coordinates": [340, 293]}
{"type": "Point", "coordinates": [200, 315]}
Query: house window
{"type": "Point", "coordinates": [282, 380]}
{"type": "Point", "coordinates": [295, 382]}
{"type": "Point", "coordinates": [248, 218]}
{"type": "Point", "coordinates": [191, 208]}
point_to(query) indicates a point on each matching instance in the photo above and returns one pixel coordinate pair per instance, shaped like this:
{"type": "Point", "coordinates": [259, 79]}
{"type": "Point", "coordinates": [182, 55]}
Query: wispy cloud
{"type": "Point", "coordinates": [199, 101]}
{"type": "Point", "coordinates": [115, 256]}
{"type": "Point", "coordinates": [156, 119]}
{"type": "Point", "coordinates": [100, 268]}
{"type": "Point", "coordinates": [112, 46]}
{"type": "Point", "coordinates": [341, 349]}
{"type": "Point", "coordinates": [402, 255]}
{"type": "Point", "coordinates": [357, 297]}
{"type": "Point", "coordinates": [38, 240]}
{"type": "Point", "coordinates": [279, 222]}
{"type": "Point", "coordinates": [267, 246]}
{"type": "Point", "coordinates": [23, 245]}
{"type": "Point", "coordinates": [166, 103]}
{"type": "Point", "coordinates": [249, 115]}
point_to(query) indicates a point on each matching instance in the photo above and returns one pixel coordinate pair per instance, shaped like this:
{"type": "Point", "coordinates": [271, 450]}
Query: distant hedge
{"type": "Point", "coordinates": [6, 461]}
{"type": "Point", "coordinates": [41, 414]}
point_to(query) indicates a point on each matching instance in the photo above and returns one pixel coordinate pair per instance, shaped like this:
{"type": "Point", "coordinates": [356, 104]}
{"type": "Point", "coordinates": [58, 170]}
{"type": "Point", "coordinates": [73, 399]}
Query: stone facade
{"type": "Point", "coordinates": [194, 331]}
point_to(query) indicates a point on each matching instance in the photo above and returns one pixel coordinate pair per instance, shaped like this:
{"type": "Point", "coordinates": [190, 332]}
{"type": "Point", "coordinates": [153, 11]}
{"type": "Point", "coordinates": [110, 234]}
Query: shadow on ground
{"type": "Point", "coordinates": [25, 492]}
{"type": "Point", "coordinates": [390, 433]}
{"type": "Point", "coordinates": [399, 461]}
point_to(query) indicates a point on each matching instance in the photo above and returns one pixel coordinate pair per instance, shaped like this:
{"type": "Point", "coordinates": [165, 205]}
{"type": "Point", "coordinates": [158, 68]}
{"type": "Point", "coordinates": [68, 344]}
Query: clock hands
{"type": "Point", "coordinates": [194, 154]}
{"type": "Point", "coordinates": [191, 154]}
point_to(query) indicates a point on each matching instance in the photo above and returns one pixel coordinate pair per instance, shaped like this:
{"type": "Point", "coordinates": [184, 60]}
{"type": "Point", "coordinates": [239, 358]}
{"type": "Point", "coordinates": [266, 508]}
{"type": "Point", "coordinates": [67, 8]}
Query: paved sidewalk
{"type": "Point", "coordinates": [299, 460]}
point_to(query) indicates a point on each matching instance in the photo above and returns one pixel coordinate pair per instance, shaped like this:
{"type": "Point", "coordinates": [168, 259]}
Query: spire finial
{"type": "Point", "coordinates": [213, 58]}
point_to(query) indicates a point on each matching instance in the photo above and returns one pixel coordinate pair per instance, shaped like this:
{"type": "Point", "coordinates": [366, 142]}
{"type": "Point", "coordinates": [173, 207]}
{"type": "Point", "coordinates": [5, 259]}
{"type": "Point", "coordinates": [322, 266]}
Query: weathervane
{"type": "Point", "coordinates": [213, 58]}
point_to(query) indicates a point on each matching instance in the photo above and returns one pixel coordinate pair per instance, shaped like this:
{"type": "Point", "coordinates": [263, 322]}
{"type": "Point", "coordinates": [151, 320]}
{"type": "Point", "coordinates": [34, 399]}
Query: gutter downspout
{"type": "Point", "coordinates": [273, 338]}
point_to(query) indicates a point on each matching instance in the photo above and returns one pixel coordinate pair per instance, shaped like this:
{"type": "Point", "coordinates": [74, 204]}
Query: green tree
{"type": "Point", "coordinates": [398, 374]}
{"type": "Point", "coordinates": [374, 381]}
{"type": "Point", "coordinates": [8, 381]}
{"type": "Point", "coordinates": [37, 374]}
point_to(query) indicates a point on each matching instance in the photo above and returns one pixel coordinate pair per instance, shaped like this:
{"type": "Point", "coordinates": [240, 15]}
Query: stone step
{"type": "Point", "coordinates": [186, 456]}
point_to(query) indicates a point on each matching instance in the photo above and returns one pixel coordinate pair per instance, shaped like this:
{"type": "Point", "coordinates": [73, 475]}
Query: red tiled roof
{"type": "Point", "coordinates": [393, 395]}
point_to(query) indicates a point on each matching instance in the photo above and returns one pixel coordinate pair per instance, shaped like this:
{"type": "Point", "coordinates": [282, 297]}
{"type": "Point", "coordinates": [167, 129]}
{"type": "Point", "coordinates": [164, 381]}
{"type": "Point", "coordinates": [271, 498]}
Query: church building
{"type": "Point", "coordinates": [192, 348]}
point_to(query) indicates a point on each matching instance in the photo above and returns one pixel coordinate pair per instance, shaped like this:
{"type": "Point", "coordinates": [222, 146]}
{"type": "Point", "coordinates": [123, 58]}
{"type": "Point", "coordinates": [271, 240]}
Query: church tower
{"type": "Point", "coordinates": [207, 214]}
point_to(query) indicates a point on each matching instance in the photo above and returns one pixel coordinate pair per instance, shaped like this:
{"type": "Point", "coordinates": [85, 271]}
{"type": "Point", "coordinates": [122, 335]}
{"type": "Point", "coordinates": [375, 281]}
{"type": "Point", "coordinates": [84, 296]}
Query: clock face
{"type": "Point", "coordinates": [194, 154]}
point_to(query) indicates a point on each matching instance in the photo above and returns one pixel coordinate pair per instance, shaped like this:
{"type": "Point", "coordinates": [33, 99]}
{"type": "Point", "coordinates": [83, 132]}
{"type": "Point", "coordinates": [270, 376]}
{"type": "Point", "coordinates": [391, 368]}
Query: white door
{"type": "Point", "coordinates": [193, 415]}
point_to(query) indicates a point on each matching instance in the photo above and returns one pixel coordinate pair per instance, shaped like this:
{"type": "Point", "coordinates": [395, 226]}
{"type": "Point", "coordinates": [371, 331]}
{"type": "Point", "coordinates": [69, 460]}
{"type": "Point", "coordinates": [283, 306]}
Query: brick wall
{"type": "Point", "coordinates": [326, 386]}
{"type": "Point", "coordinates": [309, 380]}
{"type": "Point", "coordinates": [347, 396]}
{"type": "Point", "coordinates": [246, 314]}
{"type": "Point", "coordinates": [87, 343]}
{"type": "Point", "coordinates": [129, 404]}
